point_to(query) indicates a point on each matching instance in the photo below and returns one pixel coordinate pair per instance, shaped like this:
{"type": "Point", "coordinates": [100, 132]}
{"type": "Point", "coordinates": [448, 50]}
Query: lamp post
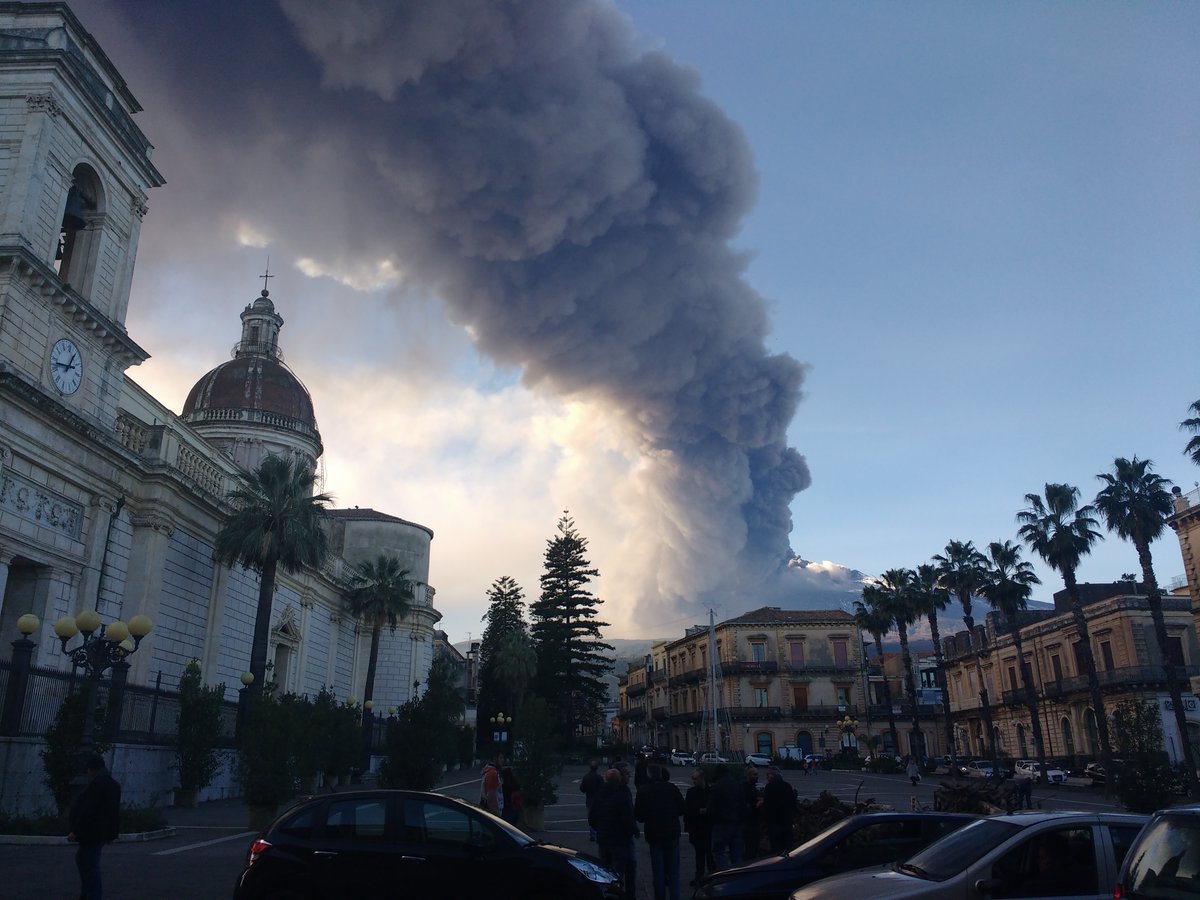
{"type": "Point", "coordinates": [245, 698]}
{"type": "Point", "coordinates": [103, 647]}
{"type": "Point", "coordinates": [500, 723]}
{"type": "Point", "coordinates": [849, 728]}
{"type": "Point", "coordinates": [18, 678]}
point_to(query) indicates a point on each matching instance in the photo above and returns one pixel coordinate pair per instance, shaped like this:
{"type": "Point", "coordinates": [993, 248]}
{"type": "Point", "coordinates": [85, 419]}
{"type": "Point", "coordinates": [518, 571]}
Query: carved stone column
{"type": "Point", "coordinates": [152, 533]}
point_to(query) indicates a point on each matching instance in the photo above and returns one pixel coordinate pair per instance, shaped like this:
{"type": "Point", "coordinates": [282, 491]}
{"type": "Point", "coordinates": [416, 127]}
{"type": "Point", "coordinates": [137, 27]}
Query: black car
{"type": "Point", "coordinates": [384, 843]}
{"type": "Point", "coordinates": [856, 842]}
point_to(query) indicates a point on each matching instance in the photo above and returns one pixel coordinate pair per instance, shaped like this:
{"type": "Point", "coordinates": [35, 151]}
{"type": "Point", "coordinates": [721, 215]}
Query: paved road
{"type": "Point", "coordinates": [203, 859]}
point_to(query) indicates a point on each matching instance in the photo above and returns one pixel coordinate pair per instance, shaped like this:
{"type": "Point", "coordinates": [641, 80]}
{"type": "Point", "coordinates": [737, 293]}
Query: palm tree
{"type": "Point", "coordinates": [514, 665]}
{"type": "Point", "coordinates": [961, 569]}
{"type": "Point", "coordinates": [1135, 503]}
{"type": "Point", "coordinates": [930, 598]}
{"type": "Point", "coordinates": [1062, 532]}
{"type": "Point", "coordinates": [895, 590]}
{"type": "Point", "coordinates": [870, 617]}
{"type": "Point", "coordinates": [1193, 424]}
{"type": "Point", "coordinates": [1008, 582]}
{"type": "Point", "coordinates": [381, 593]}
{"type": "Point", "coordinates": [275, 524]}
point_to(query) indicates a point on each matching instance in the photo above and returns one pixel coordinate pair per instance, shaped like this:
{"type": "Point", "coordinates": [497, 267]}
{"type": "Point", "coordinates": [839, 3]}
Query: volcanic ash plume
{"type": "Point", "coordinates": [572, 199]}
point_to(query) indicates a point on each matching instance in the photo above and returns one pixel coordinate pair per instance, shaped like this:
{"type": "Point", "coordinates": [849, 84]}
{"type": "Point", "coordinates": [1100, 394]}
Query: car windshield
{"type": "Point", "coordinates": [953, 853]}
{"type": "Point", "coordinates": [829, 835]}
{"type": "Point", "coordinates": [511, 830]}
{"type": "Point", "coordinates": [1167, 864]}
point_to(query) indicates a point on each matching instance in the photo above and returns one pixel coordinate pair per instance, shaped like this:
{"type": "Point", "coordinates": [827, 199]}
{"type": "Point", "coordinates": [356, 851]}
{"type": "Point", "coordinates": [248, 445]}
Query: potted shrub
{"type": "Point", "coordinates": [196, 740]}
{"type": "Point", "coordinates": [535, 762]}
{"type": "Point", "coordinates": [265, 765]}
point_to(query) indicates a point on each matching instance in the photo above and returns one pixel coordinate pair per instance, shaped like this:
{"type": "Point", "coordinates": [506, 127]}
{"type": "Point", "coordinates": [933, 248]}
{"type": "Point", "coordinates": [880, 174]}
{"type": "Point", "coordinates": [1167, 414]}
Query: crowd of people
{"type": "Point", "coordinates": [725, 821]}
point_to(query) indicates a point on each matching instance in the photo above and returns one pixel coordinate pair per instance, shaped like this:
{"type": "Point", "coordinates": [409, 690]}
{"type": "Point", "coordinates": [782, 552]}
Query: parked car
{"type": "Point", "coordinates": [852, 843]}
{"type": "Point", "coordinates": [1021, 855]}
{"type": "Point", "coordinates": [978, 768]}
{"type": "Point", "coordinates": [682, 758]}
{"type": "Point", "coordinates": [1030, 768]}
{"type": "Point", "coordinates": [758, 759]}
{"type": "Point", "coordinates": [373, 844]}
{"type": "Point", "coordinates": [1164, 861]}
{"type": "Point", "coordinates": [706, 758]}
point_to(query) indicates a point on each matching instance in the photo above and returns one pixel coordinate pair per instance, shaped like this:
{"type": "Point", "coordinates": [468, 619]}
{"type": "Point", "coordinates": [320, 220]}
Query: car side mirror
{"type": "Point", "coordinates": [989, 885]}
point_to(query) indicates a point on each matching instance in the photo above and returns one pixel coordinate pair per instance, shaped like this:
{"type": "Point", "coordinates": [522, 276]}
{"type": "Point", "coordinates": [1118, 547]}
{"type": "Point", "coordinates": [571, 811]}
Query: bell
{"type": "Point", "coordinates": [77, 205]}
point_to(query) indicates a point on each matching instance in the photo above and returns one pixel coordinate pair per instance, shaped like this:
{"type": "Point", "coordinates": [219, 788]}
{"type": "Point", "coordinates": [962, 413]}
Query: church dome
{"type": "Point", "coordinates": [255, 390]}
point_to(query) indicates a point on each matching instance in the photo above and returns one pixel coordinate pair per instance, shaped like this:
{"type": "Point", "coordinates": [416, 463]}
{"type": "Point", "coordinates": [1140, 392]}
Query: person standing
{"type": "Point", "coordinates": [695, 822]}
{"type": "Point", "coordinates": [512, 799]}
{"type": "Point", "coordinates": [913, 771]}
{"type": "Point", "coordinates": [640, 772]}
{"type": "Point", "coordinates": [94, 818]}
{"type": "Point", "coordinates": [590, 785]}
{"type": "Point", "coordinates": [491, 797]}
{"type": "Point", "coordinates": [1024, 786]}
{"type": "Point", "coordinates": [659, 805]}
{"type": "Point", "coordinates": [751, 814]}
{"type": "Point", "coordinates": [612, 818]}
{"type": "Point", "coordinates": [725, 810]}
{"type": "Point", "coordinates": [779, 811]}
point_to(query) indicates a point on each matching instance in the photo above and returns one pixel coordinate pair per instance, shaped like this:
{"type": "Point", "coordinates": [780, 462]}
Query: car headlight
{"type": "Point", "coordinates": [593, 872]}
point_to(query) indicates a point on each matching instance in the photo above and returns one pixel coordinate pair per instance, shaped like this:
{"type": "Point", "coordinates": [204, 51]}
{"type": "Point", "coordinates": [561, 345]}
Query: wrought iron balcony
{"type": "Point", "coordinates": [636, 688]}
{"type": "Point", "coordinates": [661, 712]}
{"type": "Point", "coordinates": [749, 667]}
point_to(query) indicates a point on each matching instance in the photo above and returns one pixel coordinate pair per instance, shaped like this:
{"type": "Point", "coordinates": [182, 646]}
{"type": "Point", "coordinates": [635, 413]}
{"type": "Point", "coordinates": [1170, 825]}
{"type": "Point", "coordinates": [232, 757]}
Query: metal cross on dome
{"type": "Point", "coordinates": [267, 274]}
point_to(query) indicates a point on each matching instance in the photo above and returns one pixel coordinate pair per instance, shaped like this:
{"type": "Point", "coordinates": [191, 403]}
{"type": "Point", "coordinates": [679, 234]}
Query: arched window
{"type": "Point", "coordinates": [78, 251]}
{"type": "Point", "coordinates": [762, 743]}
{"type": "Point", "coordinates": [998, 738]}
{"type": "Point", "coordinates": [1089, 728]}
{"type": "Point", "coordinates": [1068, 740]}
{"type": "Point", "coordinates": [804, 741]}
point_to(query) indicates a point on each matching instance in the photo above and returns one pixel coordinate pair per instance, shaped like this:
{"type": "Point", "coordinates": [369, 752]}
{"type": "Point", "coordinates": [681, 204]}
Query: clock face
{"type": "Point", "coordinates": [66, 366]}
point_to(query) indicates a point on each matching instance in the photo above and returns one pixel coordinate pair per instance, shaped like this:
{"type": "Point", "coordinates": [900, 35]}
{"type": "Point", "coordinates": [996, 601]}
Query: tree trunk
{"type": "Point", "coordinates": [916, 740]}
{"type": "Point", "coordinates": [941, 674]}
{"type": "Point", "coordinates": [887, 694]}
{"type": "Point", "coordinates": [1089, 664]}
{"type": "Point", "coordinates": [985, 703]}
{"type": "Point", "coordinates": [262, 628]}
{"type": "Point", "coordinates": [1031, 702]}
{"type": "Point", "coordinates": [1160, 632]}
{"type": "Point", "coordinates": [369, 686]}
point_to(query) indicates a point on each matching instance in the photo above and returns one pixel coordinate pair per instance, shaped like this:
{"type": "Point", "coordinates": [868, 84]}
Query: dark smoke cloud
{"type": "Point", "coordinates": [569, 196]}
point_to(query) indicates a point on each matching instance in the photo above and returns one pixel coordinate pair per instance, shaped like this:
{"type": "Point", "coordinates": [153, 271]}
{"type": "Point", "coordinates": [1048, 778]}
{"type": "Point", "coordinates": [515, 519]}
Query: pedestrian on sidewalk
{"type": "Point", "coordinates": [725, 809]}
{"type": "Point", "coordinates": [752, 802]}
{"type": "Point", "coordinates": [695, 821]}
{"type": "Point", "coordinates": [590, 784]}
{"type": "Point", "coordinates": [913, 771]}
{"type": "Point", "coordinates": [659, 806]}
{"type": "Point", "coordinates": [612, 818]}
{"type": "Point", "coordinates": [94, 817]}
{"type": "Point", "coordinates": [491, 796]}
{"type": "Point", "coordinates": [779, 811]}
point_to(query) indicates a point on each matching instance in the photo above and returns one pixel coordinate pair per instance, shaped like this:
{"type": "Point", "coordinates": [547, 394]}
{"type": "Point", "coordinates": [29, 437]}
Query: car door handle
{"type": "Point", "coordinates": [412, 859]}
{"type": "Point", "coordinates": [324, 853]}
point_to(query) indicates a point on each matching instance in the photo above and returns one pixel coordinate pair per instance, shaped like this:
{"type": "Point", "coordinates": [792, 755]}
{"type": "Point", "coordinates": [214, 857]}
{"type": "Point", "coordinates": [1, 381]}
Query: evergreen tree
{"type": "Point", "coordinates": [506, 660]}
{"type": "Point", "coordinates": [571, 661]}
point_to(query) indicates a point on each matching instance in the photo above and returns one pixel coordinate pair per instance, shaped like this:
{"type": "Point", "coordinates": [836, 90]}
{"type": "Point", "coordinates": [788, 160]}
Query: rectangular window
{"type": "Point", "coordinates": [1106, 655]}
{"type": "Point", "coordinates": [843, 695]}
{"type": "Point", "coordinates": [797, 654]}
{"type": "Point", "coordinates": [800, 697]}
{"type": "Point", "coordinates": [1077, 648]}
{"type": "Point", "coordinates": [1175, 650]}
{"type": "Point", "coordinates": [839, 654]}
{"type": "Point", "coordinates": [1056, 665]}
{"type": "Point", "coordinates": [760, 697]}
{"type": "Point", "coordinates": [1012, 678]}
{"type": "Point", "coordinates": [758, 652]}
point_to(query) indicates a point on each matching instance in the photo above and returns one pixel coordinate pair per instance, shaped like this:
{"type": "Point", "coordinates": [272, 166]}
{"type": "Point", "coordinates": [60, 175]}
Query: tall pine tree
{"type": "Point", "coordinates": [507, 663]}
{"type": "Point", "coordinates": [571, 661]}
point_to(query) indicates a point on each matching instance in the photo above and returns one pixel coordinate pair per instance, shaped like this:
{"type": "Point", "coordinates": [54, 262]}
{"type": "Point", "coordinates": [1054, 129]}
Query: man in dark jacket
{"type": "Point", "coordinates": [659, 805]}
{"type": "Point", "coordinates": [725, 816]}
{"type": "Point", "coordinates": [779, 810]}
{"type": "Point", "coordinates": [751, 813]}
{"type": "Point", "coordinates": [695, 820]}
{"type": "Point", "coordinates": [612, 818]}
{"type": "Point", "coordinates": [590, 785]}
{"type": "Point", "coordinates": [94, 818]}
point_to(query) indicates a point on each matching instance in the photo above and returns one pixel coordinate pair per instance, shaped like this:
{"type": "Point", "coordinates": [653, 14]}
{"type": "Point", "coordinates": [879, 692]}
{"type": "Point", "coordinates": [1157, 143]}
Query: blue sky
{"type": "Point", "coordinates": [975, 226]}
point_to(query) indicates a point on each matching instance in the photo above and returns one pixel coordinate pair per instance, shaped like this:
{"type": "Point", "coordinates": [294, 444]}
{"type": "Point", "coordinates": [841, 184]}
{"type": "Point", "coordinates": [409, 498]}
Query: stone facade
{"type": "Point", "coordinates": [784, 679]}
{"type": "Point", "coordinates": [108, 499]}
{"type": "Point", "coordinates": [1128, 662]}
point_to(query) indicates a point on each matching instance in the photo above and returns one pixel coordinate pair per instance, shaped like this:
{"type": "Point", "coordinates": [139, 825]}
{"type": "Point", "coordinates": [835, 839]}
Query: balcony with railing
{"type": "Point", "coordinates": [746, 713]}
{"type": "Point", "coordinates": [661, 713]}
{"type": "Point", "coordinates": [1124, 677]}
{"type": "Point", "coordinates": [749, 667]}
{"type": "Point", "coordinates": [691, 676]}
{"type": "Point", "coordinates": [636, 687]}
{"type": "Point", "coordinates": [656, 676]}
{"type": "Point", "coordinates": [823, 712]}
{"type": "Point", "coordinates": [633, 714]}
{"type": "Point", "coordinates": [797, 670]}
{"type": "Point", "coordinates": [687, 718]}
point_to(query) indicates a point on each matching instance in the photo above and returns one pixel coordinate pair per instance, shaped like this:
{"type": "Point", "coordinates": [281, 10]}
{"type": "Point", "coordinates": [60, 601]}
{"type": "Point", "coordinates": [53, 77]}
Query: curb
{"type": "Point", "coordinates": [59, 840]}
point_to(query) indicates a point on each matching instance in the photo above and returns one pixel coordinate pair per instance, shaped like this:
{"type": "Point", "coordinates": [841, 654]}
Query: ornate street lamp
{"type": "Point", "coordinates": [103, 647]}
{"type": "Point", "coordinates": [500, 723]}
{"type": "Point", "coordinates": [849, 728]}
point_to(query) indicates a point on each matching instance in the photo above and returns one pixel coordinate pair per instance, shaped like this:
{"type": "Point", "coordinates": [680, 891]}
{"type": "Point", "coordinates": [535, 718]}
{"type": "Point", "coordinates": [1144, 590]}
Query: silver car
{"type": "Point", "coordinates": [1043, 855]}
